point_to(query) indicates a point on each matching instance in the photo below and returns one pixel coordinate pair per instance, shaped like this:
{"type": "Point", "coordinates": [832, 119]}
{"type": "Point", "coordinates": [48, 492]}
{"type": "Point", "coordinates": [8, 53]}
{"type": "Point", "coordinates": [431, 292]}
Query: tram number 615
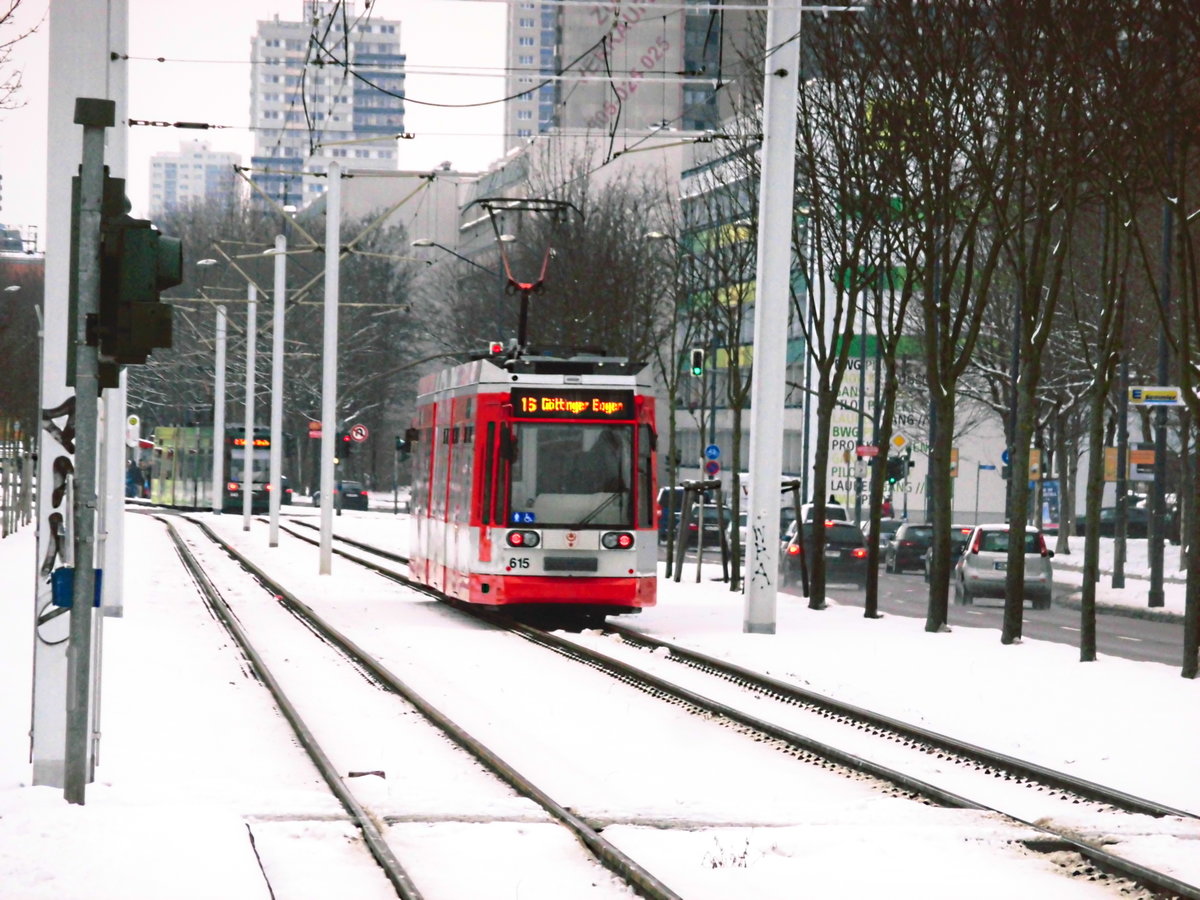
{"type": "Point", "coordinates": [518, 562]}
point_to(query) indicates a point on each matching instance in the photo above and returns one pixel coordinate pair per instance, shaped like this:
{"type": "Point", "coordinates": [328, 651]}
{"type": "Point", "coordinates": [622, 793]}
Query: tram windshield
{"type": "Point", "coordinates": [260, 460]}
{"type": "Point", "coordinates": [572, 475]}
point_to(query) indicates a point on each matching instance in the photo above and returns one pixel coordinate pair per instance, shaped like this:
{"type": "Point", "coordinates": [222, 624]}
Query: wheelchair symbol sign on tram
{"type": "Point", "coordinates": [524, 518]}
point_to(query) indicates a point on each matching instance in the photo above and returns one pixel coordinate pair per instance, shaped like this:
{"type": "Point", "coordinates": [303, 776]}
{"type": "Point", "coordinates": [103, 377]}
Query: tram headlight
{"type": "Point", "coordinates": [523, 539]}
{"type": "Point", "coordinates": [616, 540]}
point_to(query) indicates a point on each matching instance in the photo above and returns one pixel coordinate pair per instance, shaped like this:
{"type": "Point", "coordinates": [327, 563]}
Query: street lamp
{"type": "Point", "coordinates": [429, 242]}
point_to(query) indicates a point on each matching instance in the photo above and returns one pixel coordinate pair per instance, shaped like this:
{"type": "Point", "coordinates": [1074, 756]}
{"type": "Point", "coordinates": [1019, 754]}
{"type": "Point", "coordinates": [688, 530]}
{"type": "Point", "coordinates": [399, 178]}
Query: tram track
{"type": "Point", "coordinates": [638, 879]}
{"type": "Point", "coordinates": [1067, 791]}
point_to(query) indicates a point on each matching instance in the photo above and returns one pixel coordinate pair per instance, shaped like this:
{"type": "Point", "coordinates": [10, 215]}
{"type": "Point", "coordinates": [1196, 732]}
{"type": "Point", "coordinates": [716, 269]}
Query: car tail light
{"type": "Point", "coordinates": [975, 543]}
{"type": "Point", "coordinates": [234, 486]}
{"type": "Point", "coordinates": [793, 549]}
{"type": "Point", "coordinates": [692, 526]}
{"type": "Point", "coordinates": [362, 493]}
{"type": "Point", "coordinates": [523, 539]}
{"type": "Point", "coordinates": [616, 540]}
{"type": "Point", "coordinates": [859, 552]}
{"type": "Point", "coordinates": [1041, 544]}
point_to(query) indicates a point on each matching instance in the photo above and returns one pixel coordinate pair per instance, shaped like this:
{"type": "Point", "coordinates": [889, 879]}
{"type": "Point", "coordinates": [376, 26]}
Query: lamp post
{"type": "Point", "coordinates": [429, 242]}
{"type": "Point", "coordinates": [276, 493]}
{"type": "Point", "coordinates": [672, 465]}
{"type": "Point", "coordinates": [218, 438]}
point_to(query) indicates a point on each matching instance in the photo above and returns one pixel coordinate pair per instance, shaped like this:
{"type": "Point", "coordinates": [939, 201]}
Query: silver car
{"type": "Point", "coordinates": [981, 570]}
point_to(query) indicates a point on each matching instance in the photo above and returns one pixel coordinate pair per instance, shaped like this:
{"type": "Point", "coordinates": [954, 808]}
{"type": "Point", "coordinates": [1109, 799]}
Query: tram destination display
{"type": "Point", "coordinates": [541, 403]}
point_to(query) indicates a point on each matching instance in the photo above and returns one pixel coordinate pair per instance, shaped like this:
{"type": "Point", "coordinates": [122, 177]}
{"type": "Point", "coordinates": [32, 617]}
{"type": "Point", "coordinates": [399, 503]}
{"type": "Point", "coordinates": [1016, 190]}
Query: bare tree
{"type": "Point", "coordinates": [10, 76]}
{"type": "Point", "coordinates": [376, 330]}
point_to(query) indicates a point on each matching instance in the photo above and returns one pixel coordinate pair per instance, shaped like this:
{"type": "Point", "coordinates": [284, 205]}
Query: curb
{"type": "Point", "coordinates": [1073, 601]}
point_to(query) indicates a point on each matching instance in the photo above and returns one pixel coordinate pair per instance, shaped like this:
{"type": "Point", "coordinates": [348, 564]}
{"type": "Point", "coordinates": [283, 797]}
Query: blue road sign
{"type": "Point", "coordinates": [712, 451]}
{"type": "Point", "coordinates": [1004, 456]}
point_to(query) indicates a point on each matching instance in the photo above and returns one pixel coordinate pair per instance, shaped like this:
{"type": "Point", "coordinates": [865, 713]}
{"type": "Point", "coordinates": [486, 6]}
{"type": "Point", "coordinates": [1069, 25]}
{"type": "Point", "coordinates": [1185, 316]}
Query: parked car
{"type": "Point", "coordinates": [665, 523]}
{"type": "Point", "coordinates": [845, 553]}
{"type": "Point", "coordinates": [787, 515]}
{"type": "Point", "coordinates": [1137, 522]}
{"type": "Point", "coordinates": [958, 543]}
{"type": "Point", "coordinates": [907, 548]}
{"type": "Point", "coordinates": [713, 520]}
{"type": "Point", "coordinates": [887, 530]}
{"type": "Point", "coordinates": [981, 570]}
{"type": "Point", "coordinates": [834, 512]}
{"type": "Point", "coordinates": [354, 495]}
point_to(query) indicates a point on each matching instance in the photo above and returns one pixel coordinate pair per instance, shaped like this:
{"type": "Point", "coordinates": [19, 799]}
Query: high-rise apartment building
{"type": "Point", "coordinates": [571, 66]}
{"type": "Point", "coordinates": [329, 87]}
{"type": "Point", "coordinates": [194, 174]}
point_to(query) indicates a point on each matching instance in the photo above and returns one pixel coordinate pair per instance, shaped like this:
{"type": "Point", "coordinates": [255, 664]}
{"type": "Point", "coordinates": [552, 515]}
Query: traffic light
{"type": "Point", "coordinates": [897, 468]}
{"type": "Point", "coordinates": [345, 444]}
{"type": "Point", "coordinates": [405, 442]}
{"type": "Point", "coordinates": [136, 263]}
{"type": "Point", "coordinates": [698, 361]}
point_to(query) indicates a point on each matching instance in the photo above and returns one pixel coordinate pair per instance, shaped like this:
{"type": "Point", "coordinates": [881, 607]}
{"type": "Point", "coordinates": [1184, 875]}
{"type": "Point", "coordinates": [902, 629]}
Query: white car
{"type": "Point", "coordinates": [982, 569]}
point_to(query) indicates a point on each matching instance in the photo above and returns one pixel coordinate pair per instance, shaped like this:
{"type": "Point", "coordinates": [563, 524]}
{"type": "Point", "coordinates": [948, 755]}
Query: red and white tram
{"type": "Point", "coordinates": [534, 484]}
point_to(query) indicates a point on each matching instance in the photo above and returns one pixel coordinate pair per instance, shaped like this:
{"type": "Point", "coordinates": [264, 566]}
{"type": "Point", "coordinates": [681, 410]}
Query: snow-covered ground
{"type": "Point", "coordinates": [189, 753]}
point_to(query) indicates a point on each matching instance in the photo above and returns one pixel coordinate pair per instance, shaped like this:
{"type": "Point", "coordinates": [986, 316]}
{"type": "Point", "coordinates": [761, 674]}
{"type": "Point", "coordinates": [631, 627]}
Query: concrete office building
{"type": "Point", "coordinates": [193, 174]}
{"type": "Point", "coordinates": [308, 109]}
{"type": "Point", "coordinates": [581, 70]}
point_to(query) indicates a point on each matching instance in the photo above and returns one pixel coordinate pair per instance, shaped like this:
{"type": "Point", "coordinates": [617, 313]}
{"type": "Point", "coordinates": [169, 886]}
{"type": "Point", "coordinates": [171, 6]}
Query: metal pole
{"type": "Point", "coordinates": [276, 494]}
{"type": "Point", "coordinates": [1120, 547]}
{"type": "Point", "coordinates": [862, 402]}
{"type": "Point", "coordinates": [248, 445]}
{"type": "Point", "coordinates": [218, 436]}
{"type": "Point", "coordinates": [978, 478]}
{"type": "Point", "coordinates": [776, 213]}
{"type": "Point", "coordinates": [333, 243]}
{"type": "Point", "coordinates": [1158, 498]}
{"type": "Point", "coordinates": [94, 116]}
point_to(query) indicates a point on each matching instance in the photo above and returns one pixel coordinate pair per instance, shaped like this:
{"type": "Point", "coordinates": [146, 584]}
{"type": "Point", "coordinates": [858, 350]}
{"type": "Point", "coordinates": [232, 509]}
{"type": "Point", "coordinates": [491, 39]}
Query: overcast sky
{"type": "Point", "coordinates": [207, 79]}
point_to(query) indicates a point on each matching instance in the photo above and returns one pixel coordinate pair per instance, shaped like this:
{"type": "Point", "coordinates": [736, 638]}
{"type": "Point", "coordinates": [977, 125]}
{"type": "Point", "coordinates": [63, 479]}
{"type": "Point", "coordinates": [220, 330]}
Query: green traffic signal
{"type": "Point", "coordinates": [697, 361]}
{"type": "Point", "coordinates": [136, 263]}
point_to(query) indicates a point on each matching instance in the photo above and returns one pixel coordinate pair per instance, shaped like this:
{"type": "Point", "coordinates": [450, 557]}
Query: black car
{"type": "Point", "coordinates": [887, 531]}
{"type": "Point", "coordinates": [907, 549]}
{"type": "Point", "coordinates": [353, 495]}
{"type": "Point", "coordinates": [845, 553]}
{"type": "Point", "coordinates": [958, 543]}
{"type": "Point", "coordinates": [1137, 522]}
{"type": "Point", "coordinates": [713, 520]}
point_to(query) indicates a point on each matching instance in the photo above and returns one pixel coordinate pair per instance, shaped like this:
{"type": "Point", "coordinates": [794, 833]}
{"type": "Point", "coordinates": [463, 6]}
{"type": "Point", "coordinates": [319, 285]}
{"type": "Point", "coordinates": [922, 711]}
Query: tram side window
{"type": "Point", "coordinates": [645, 477]}
{"type": "Point", "coordinates": [573, 475]}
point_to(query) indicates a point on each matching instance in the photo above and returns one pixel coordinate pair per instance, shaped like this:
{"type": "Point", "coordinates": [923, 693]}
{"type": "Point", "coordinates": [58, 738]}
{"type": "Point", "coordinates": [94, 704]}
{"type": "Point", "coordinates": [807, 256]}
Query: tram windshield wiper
{"type": "Point", "coordinates": [603, 505]}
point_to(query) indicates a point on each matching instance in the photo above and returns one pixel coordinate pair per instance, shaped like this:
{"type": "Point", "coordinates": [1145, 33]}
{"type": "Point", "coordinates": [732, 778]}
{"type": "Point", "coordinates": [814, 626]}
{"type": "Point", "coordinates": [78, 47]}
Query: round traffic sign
{"type": "Point", "coordinates": [712, 451]}
{"type": "Point", "coordinates": [1004, 456]}
{"type": "Point", "coordinates": [712, 467]}
{"type": "Point", "coordinates": [358, 433]}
